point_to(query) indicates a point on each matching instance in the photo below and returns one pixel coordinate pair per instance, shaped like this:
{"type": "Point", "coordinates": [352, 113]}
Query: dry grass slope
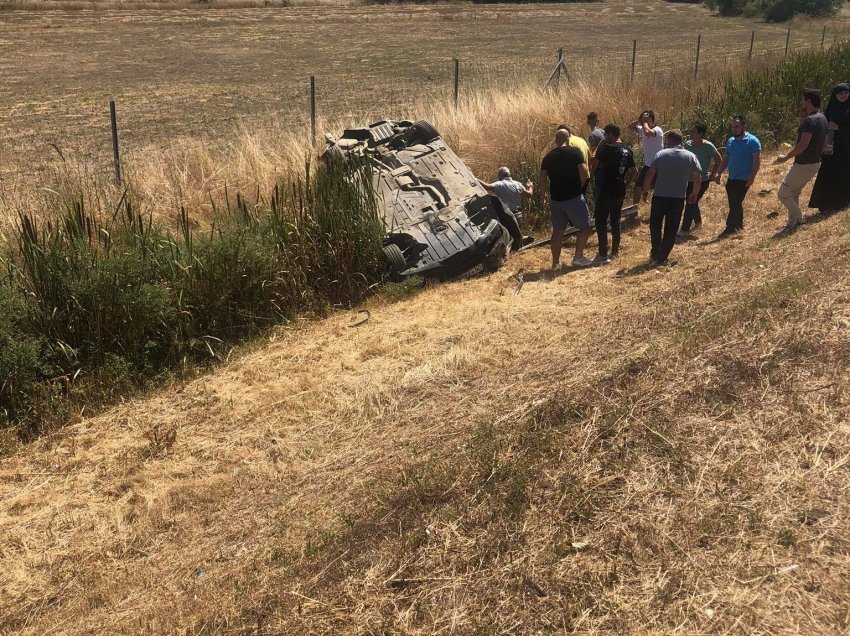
{"type": "Point", "coordinates": [662, 452]}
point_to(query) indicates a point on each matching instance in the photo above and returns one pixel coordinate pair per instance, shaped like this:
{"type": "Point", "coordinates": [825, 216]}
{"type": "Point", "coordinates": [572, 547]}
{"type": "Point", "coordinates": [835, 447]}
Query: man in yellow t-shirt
{"type": "Point", "coordinates": [577, 142]}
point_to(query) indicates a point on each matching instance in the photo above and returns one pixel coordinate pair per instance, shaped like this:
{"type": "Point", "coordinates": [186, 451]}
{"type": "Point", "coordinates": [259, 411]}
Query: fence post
{"type": "Point", "coordinates": [752, 41]}
{"type": "Point", "coordinates": [823, 36]}
{"type": "Point", "coordinates": [313, 108]}
{"type": "Point", "coordinates": [696, 63]}
{"type": "Point", "coordinates": [457, 79]}
{"type": "Point", "coordinates": [558, 72]}
{"type": "Point", "coordinates": [634, 60]}
{"type": "Point", "coordinates": [787, 41]}
{"type": "Point", "coordinates": [115, 156]}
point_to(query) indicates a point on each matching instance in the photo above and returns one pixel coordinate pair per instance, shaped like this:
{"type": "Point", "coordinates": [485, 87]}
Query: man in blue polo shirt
{"type": "Point", "coordinates": [743, 158]}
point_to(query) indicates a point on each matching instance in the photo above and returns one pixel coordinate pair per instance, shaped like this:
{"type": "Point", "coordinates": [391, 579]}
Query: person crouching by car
{"type": "Point", "coordinates": [510, 191]}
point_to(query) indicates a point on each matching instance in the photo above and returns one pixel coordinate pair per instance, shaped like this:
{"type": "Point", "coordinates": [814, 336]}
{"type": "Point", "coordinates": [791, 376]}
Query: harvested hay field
{"type": "Point", "coordinates": [610, 451]}
{"type": "Point", "coordinates": [194, 76]}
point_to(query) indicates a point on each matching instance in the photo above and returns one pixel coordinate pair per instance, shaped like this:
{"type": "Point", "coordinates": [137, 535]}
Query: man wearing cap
{"type": "Point", "coordinates": [510, 191]}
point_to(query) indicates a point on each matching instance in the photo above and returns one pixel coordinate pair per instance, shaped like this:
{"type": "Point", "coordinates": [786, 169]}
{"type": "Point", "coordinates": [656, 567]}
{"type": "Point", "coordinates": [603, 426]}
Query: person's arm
{"type": "Point", "coordinates": [649, 131]}
{"type": "Point", "coordinates": [528, 190]}
{"type": "Point", "coordinates": [805, 140]}
{"type": "Point", "coordinates": [696, 176]}
{"type": "Point", "coordinates": [486, 186]}
{"type": "Point", "coordinates": [542, 182]}
{"type": "Point", "coordinates": [756, 168]}
{"type": "Point", "coordinates": [721, 168]}
{"type": "Point", "coordinates": [594, 166]}
{"type": "Point", "coordinates": [647, 182]}
{"type": "Point", "coordinates": [583, 174]}
{"type": "Point", "coordinates": [716, 162]}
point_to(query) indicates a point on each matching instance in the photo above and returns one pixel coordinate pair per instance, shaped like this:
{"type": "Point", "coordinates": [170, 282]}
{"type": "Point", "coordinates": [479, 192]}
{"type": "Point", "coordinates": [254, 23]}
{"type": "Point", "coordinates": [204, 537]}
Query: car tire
{"type": "Point", "coordinates": [395, 259]}
{"type": "Point", "coordinates": [424, 132]}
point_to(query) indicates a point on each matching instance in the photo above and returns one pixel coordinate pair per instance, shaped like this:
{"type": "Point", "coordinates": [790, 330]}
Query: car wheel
{"type": "Point", "coordinates": [395, 259]}
{"type": "Point", "coordinates": [424, 132]}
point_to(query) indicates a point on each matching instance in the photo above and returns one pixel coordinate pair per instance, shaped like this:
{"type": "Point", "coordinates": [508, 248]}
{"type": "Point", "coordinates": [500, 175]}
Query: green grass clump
{"type": "Point", "coordinates": [769, 97]}
{"type": "Point", "coordinates": [94, 304]}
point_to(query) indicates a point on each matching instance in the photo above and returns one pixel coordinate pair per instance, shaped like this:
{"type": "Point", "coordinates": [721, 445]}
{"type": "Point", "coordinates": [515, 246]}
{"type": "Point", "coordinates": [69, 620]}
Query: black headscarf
{"type": "Point", "coordinates": [835, 110]}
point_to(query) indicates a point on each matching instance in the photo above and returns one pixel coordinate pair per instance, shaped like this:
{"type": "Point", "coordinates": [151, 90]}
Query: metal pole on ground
{"type": "Point", "coordinates": [313, 108]}
{"type": "Point", "coordinates": [115, 156]}
{"type": "Point", "coordinates": [752, 42]}
{"type": "Point", "coordinates": [634, 60]}
{"type": "Point", "coordinates": [457, 79]}
{"type": "Point", "coordinates": [787, 41]}
{"type": "Point", "coordinates": [823, 36]}
{"type": "Point", "coordinates": [696, 62]}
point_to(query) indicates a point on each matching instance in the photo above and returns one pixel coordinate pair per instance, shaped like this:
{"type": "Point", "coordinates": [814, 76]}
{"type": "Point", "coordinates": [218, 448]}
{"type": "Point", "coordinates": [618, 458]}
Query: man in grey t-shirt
{"type": "Point", "coordinates": [672, 168]}
{"type": "Point", "coordinates": [811, 141]}
{"type": "Point", "coordinates": [510, 191]}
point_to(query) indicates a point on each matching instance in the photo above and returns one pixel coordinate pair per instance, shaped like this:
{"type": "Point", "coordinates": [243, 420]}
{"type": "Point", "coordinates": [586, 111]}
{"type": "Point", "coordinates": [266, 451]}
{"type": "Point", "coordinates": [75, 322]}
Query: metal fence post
{"type": "Point", "coordinates": [457, 79]}
{"type": "Point", "coordinates": [696, 63]}
{"type": "Point", "coordinates": [115, 156]}
{"type": "Point", "coordinates": [313, 108]}
{"type": "Point", "coordinates": [558, 75]}
{"type": "Point", "coordinates": [823, 36]}
{"type": "Point", "coordinates": [634, 60]}
{"type": "Point", "coordinates": [752, 41]}
{"type": "Point", "coordinates": [787, 41]}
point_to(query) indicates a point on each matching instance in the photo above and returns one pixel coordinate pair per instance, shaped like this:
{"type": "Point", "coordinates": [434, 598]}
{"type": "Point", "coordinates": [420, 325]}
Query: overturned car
{"type": "Point", "coordinates": [440, 222]}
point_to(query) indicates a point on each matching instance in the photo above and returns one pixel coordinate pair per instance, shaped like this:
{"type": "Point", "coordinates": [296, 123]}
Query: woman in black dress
{"type": "Point", "coordinates": [831, 191]}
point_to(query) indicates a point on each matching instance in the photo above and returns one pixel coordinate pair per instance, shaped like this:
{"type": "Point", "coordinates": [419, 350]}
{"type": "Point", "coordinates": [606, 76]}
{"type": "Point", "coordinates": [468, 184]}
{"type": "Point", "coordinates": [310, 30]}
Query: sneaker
{"type": "Point", "coordinates": [601, 259]}
{"type": "Point", "coordinates": [792, 226]}
{"type": "Point", "coordinates": [581, 261]}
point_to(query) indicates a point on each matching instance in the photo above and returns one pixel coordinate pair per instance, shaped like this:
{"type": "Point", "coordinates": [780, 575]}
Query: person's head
{"type": "Point", "coordinates": [612, 133]}
{"type": "Point", "coordinates": [674, 138]}
{"type": "Point", "coordinates": [841, 92]}
{"type": "Point", "coordinates": [810, 100]}
{"type": "Point", "coordinates": [648, 116]}
{"type": "Point", "coordinates": [504, 173]}
{"type": "Point", "coordinates": [738, 126]}
{"type": "Point", "coordinates": [562, 136]}
{"type": "Point", "coordinates": [698, 129]}
{"type": "Point", "coordinates": [592, 119]}
{"type": "Point", "coordinates": [567, 128]}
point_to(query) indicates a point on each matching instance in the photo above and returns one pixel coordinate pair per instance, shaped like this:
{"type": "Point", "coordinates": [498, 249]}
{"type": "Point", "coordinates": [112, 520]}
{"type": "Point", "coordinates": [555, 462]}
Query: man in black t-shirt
{"type": "Point", "coordinates": [566, 172]}
{"type": "Point", "coordinates": [616, 163]}
{"type": "Point", "coordinates": [811, 141]}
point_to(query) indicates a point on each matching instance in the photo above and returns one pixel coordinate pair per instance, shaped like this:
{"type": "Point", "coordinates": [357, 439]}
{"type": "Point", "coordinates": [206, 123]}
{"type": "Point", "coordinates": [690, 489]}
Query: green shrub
{"type": "Point", "coordinates": [103, 301]}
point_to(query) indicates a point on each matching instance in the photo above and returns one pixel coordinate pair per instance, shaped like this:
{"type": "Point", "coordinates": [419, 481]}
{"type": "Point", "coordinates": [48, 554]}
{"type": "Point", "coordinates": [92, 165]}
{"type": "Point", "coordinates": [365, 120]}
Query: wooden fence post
{"type": "Point", "coordinates": [787, 41]}
{"type": "Point", "coordinates": [115, 156]}
{"type": "Point", "coordinates": [823, 36]}
{"type": "Point", "coordinates": [634, 60]}
{"type": "Point", "coordinates": [752, 41]}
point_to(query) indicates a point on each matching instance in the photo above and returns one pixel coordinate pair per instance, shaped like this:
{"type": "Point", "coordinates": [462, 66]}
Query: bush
{"type": "Point", "coordinates": [769, 97]}
{"type": "Point", "coordinates": [99, 302]}
{"type": "Point", "coordinates": [776, 10]}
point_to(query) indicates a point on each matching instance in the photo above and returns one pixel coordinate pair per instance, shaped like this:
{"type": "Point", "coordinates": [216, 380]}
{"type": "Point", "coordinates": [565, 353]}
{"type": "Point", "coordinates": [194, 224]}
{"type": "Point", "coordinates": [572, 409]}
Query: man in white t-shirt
{"type": "Point", "coordinates": [652, 142]}
{"type": "Point", "coordinates": [510, 191]}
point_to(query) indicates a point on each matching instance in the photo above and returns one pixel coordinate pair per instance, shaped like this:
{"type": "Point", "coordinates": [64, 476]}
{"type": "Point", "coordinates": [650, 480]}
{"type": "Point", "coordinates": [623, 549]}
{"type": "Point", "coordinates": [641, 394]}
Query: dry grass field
{"type": "Point", "coordinates": [609, 451]}
{"type": "Point", "coordinates": [207, 95]}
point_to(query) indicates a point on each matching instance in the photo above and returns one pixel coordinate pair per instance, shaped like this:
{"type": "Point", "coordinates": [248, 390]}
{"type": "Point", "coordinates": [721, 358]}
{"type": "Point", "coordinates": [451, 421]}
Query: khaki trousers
{"type": "Point", "coordinates": [792, 186]}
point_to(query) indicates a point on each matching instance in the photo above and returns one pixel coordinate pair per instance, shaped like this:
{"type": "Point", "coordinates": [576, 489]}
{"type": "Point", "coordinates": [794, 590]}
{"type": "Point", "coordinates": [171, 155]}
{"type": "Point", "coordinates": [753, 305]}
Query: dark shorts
{"type": "Point", "coordinates": [642, 176]}
{"type": "Point", "coordinates": [570, 212]}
